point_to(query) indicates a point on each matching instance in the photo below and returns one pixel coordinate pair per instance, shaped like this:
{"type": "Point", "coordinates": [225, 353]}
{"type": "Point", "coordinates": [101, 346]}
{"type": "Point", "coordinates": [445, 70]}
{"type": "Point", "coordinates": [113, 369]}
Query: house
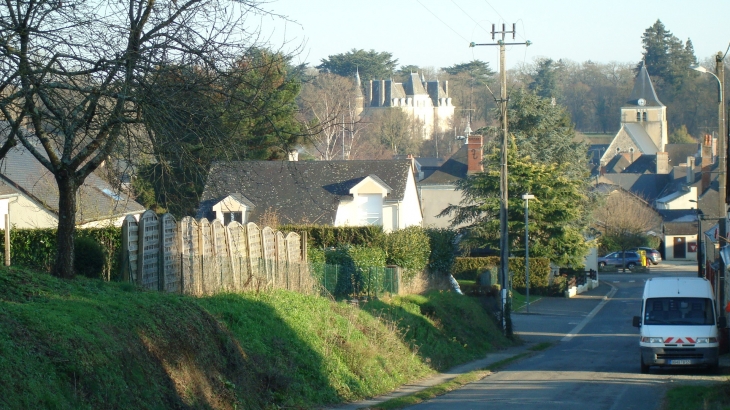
{"type": "Point", "coordinates": [681, 232]}
{"type": "Point", "coordinates": [29, 194]}
{"type": "Point", "coordinates": [438, 189]}
{"type": "Point", "coordinates": [337, 193]}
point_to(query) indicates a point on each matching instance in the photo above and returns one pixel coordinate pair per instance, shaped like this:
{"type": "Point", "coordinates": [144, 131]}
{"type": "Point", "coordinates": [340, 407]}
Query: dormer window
{"type": "Point", "coordinates": [638, 116]}
{"type": "Point", "coordinates": [644, 115]}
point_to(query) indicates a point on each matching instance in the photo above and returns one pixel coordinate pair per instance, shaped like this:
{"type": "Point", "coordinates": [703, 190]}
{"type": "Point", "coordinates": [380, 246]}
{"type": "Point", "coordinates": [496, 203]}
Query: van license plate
{"type": "Point", "coordinates": [680, 362]}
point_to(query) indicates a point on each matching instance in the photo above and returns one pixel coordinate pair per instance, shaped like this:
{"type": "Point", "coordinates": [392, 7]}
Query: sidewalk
{"type": "Point", "coordinates": [584, 303]}
{"type": "Point", "coordinates": [439, 378]}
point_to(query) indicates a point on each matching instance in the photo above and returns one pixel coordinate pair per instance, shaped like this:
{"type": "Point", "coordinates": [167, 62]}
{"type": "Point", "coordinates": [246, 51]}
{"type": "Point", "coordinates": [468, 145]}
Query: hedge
{"type": "Point", "coordinates": [468, 268]}
{"type": "Point", "coordinates": [321, 236]}
{"type": "Point", "coordinates": [36, 248]}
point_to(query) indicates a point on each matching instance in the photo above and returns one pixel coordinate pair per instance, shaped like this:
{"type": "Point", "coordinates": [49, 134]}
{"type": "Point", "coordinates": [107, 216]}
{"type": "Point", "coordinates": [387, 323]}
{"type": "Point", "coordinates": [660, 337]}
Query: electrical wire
{"type": "Point", "coordinates": [439, 19]}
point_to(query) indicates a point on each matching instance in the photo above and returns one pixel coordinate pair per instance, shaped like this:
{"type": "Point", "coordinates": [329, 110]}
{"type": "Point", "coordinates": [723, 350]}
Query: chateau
{"type": "Point", "coordinates": [426, 101]}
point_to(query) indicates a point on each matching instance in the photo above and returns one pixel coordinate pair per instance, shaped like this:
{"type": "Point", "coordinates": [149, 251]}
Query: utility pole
{"type": "Point", "coordinates": [503, 234]}
{"type": "Point", "coordinates": [721, 177]}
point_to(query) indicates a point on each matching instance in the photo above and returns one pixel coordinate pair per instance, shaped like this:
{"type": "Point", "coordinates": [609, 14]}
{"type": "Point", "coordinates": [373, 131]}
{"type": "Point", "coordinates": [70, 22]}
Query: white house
{"type": "Point", "coordinates": [337, 193]}
{"type": "Point", "coordinates": [29, 195]}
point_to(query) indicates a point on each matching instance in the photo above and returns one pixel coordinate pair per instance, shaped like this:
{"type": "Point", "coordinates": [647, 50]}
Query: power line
{"type": "Point", "coordinates": [439, 19]}
{"type": "Point", "coordinates": [470, 17]}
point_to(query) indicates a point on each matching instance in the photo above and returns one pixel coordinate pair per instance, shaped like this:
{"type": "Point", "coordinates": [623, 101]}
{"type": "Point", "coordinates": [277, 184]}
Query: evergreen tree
{"type": "Point", "coordinates": [372, 65]}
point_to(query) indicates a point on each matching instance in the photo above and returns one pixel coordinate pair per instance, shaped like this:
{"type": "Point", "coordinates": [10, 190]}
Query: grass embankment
{"type": "Point", "coordinates": [90, 344]}
{"type": "Point", "coordinates": [698, 397]}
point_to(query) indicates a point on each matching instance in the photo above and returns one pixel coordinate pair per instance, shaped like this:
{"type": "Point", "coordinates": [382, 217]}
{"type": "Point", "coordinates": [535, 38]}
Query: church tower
{"type": "Point", "coordinates": [643, 123]}
{"type": "Point", "coordinates": [645, 109]}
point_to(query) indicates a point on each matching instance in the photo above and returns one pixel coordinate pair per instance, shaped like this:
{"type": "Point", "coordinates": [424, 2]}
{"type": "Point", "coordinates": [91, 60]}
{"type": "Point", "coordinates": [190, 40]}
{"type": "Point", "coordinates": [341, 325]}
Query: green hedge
{"type": "Point", "coordinates": [467, 268]}
{"type": "Point", "coordinates": [408, 248]}
{"type": "Point", "coordinates": [351, 261]}
{"type": "Point", "coordinates": [442, 255]}
{"type": "Point", "coordinates": [319, 236]}
{"type": "Point", "coordinates": [36, 248]}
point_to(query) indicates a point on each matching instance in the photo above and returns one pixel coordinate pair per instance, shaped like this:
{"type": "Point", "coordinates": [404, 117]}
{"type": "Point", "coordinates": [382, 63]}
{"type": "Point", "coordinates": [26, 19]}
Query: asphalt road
{"type": "Point", "coordinates": [594, 363]}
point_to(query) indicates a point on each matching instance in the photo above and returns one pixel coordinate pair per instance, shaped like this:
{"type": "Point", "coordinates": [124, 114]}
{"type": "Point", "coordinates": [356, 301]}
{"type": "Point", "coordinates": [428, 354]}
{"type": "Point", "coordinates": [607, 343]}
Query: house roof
{"type": "Point", "coordinates": [645, 164]}
{"type": "Point", "coordinates": [646, 186]}
{"type": "Point", "coordinates": [643, 88]}
{"type": "Point", "coordinates": [450, 171]}
{"type": "Point", "coordinates": [414, 86]}
{"type": "Point", "coordinates": [300, 191]}
{"type": "Point", "coordinates": [678, 215]}
{"type": "Point", "coordinates": [678, 153]}
{"type": "Point", "coordinates": [97, 200]}
{"type": "Point", "coordinates": [680, 228]}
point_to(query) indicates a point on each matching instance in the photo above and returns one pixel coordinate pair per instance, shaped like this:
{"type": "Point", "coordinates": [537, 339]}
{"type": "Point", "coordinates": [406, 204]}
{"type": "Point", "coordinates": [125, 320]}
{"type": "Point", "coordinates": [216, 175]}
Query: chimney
{"type": "Point", "coordinates": [293, 155]}
{"type": "Point", "coordinates": [690, 170]}
{"type": "Point", "coordinates": [662, 162]}
{"type": "Point", "coordinates": [474, 154]}
{"type": "Point", "coordinates": [413, 162]}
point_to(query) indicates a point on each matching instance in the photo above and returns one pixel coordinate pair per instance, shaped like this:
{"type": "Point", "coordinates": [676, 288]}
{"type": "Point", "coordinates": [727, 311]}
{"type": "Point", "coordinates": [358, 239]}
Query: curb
{"type": "Point", "coordinates": [439, 378]}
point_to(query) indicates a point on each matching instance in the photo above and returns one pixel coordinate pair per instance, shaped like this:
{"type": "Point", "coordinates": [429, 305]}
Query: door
{"type": "Point", "coordinates": [680, 247]}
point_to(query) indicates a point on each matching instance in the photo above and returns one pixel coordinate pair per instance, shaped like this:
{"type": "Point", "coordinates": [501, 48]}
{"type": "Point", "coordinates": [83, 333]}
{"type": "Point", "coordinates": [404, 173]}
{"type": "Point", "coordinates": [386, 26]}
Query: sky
{"type": "Point", "coordinates": [437, 33]}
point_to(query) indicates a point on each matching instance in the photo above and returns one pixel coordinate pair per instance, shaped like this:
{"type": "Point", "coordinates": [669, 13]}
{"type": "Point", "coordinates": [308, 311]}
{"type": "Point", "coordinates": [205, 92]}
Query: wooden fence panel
{"type": "Point", "coordinates": [130, 248]}
{"type": "Point", "coordinates": [255, 251]}
{"type": "Point", "coordinates": [210, 273]}
{"type": "Point", "coordinates": [268, 241]}
{"type": "Point", "coordinates": [239, 254]}
{"type": "Point", "coordinates": [191, 273]}
{"type": "Point", "coordinates": [149, 248]}
{"type": "Point", "coordinates": [221, 255]}
{"type": "Point", "coordinates": [170, 266]}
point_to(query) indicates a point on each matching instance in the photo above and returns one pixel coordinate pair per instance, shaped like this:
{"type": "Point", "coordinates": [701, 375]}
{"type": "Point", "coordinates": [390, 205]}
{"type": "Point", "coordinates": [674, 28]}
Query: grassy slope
{"type": "Point", "coordinates": [90, 344]}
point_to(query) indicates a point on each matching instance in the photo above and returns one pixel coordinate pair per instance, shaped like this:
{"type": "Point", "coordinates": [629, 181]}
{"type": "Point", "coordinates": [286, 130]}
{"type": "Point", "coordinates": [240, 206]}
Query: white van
{"type": "Point", "coordinates": [678, 323]}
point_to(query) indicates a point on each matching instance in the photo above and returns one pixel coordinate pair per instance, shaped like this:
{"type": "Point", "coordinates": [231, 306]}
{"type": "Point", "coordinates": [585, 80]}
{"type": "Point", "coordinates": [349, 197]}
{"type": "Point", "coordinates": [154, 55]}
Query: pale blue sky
{"type": "Point", "coordinates": [437, 33]}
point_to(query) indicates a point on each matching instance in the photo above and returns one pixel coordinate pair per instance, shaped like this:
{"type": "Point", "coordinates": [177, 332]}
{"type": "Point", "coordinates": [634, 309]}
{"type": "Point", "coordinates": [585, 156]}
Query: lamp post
{"type": "Point", "coordinates": [721, 157]}
{"type": "Point", "coordinates": [527, 198]}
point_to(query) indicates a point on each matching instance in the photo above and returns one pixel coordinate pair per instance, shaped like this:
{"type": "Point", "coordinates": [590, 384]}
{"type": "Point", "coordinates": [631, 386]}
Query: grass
{"type": "Point", "coordinates": [698, 397]}
{"type": "Point", "coordinates": [519, 301]}
{"type": "Point", "coordinates": [84, 344]}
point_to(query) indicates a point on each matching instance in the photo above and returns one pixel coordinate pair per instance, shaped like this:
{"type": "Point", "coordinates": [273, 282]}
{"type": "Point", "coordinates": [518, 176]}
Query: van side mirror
{"type": "Point", "coordinates": [722, 322]}
{"type": "Point", "coordinates": [637, 321]}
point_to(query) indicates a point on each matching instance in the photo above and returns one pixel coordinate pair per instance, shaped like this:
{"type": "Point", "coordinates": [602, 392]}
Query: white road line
{"type": "Point", "coordinates": [590, 316]}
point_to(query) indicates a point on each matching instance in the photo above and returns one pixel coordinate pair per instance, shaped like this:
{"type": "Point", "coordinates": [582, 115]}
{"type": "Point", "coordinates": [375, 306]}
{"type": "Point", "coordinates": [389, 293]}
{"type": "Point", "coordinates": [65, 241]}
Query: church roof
{"type": "Point", "coordinates": [639, 135]}
{"type": "Point", "coordinates": [643, 88]}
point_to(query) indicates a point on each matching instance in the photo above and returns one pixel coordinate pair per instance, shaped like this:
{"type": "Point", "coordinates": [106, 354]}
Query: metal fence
{"type": "Point", "coordinates": [370, 281]}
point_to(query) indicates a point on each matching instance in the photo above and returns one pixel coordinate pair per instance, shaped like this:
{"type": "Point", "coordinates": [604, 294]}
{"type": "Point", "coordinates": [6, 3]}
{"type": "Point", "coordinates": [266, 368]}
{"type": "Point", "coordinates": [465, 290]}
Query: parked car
{"type": "Point", "coordinates": [631, 259]}
{"type": "Point", "coordinates": [652, 255]}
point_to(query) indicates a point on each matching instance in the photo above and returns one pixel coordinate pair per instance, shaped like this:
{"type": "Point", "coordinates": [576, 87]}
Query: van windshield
{"type": "Point", "coordinates": [678, 311]}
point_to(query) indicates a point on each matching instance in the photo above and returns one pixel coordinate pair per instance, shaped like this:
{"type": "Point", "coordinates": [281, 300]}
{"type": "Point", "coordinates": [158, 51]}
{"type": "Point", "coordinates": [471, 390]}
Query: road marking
{"type": "Point", "coordinates": [590, 316]}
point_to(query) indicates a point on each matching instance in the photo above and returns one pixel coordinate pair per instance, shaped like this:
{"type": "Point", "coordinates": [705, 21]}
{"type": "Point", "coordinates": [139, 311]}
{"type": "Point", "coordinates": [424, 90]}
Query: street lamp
{"type": "Point", "coordinates": [527, 198]}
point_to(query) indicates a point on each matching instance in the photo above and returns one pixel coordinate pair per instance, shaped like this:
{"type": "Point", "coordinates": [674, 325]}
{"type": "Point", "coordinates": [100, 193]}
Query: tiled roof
{"type": "Point", "coordinates": [97, 200]}
{"type": "Point", "coordinates": [680, 228]}
{"type": "Point", "coordinates": [678, 153]}
{"type": "Point", "coordinates": [646, 186]}
{"type": "Point", "coordinates": [450, 171]}
{"type": "Point", "coordinates": [300, 191]}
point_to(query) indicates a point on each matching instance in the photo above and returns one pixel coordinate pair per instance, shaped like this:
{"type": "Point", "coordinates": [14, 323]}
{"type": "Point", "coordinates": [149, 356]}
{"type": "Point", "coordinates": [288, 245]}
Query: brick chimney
{"type": "Point", "coordinates": [474, 154]}
{"type": "Point", "coordinates": [662, 162]}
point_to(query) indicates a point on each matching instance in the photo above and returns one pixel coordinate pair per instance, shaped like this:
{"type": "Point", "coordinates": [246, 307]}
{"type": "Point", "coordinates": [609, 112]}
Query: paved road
{"type": "Point", "coordinates": [594, 363]}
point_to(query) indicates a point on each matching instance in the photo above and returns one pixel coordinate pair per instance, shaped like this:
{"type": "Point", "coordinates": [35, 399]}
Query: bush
{"type": "Point", "coordinates": [408, 248]}
{"type": "Point", "coordinates": [89, 257]}
{"type": "Point", "coordinates": [468, 268]}
{"type": "Point", "coordinates": [442, 256]}
{"type": "Point", "coordinates": [351, 261]}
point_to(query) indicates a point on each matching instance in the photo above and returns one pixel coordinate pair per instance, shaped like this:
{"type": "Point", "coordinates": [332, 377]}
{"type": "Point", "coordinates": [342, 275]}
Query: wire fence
{"type": "Point", "coordinates": [342, 281]}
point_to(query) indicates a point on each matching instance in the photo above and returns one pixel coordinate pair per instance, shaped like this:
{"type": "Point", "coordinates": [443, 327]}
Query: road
{"type": "Point", "coordinates": [594, 363]}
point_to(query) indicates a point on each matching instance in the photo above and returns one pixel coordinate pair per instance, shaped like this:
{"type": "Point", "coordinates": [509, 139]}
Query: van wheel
{"type": "Point", "coordinates": [631, 265]}
{"type": "Point", "coordinates": [644, 367]}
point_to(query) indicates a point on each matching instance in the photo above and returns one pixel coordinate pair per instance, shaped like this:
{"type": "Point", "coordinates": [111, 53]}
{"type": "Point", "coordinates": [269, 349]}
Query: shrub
{"type": "Point", "coordinates": [352, 260]}
{"type": "Point", "coordinates": [442, 256]}
{"type": "Point", "coordinates": [89, 257]}
{"type": "Point", "coordinates": [467, 268]}
{"type": "Point", "coordinates": [408, 248]}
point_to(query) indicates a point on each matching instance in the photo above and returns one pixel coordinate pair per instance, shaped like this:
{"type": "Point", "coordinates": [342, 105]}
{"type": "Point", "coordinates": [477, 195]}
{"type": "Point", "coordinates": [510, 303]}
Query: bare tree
{"type": "Point", "coordinates": [329, 105]}
{"type": "Point", "coordinates": [74, 72]}
{"type": "Point", "coordinates": [625, 220]}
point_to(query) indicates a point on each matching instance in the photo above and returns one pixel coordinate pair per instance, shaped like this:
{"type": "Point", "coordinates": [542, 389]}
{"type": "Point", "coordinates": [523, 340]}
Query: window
{"type": "Point", "coordinates": [638, 116]}
{"type": "Point", "coordinates": [678, 311]}
{"type": "Point", "coordinates": [644, 115]}
{"type": "Point", "coordinates": [229, 217]}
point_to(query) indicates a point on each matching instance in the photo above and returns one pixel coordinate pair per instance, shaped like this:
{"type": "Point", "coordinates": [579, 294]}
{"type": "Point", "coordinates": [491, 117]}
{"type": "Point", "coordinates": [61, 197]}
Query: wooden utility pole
{"type": "Point", "coordinates": [721, 181]}
{"type": "Point", "coordinates": [503, 233]}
